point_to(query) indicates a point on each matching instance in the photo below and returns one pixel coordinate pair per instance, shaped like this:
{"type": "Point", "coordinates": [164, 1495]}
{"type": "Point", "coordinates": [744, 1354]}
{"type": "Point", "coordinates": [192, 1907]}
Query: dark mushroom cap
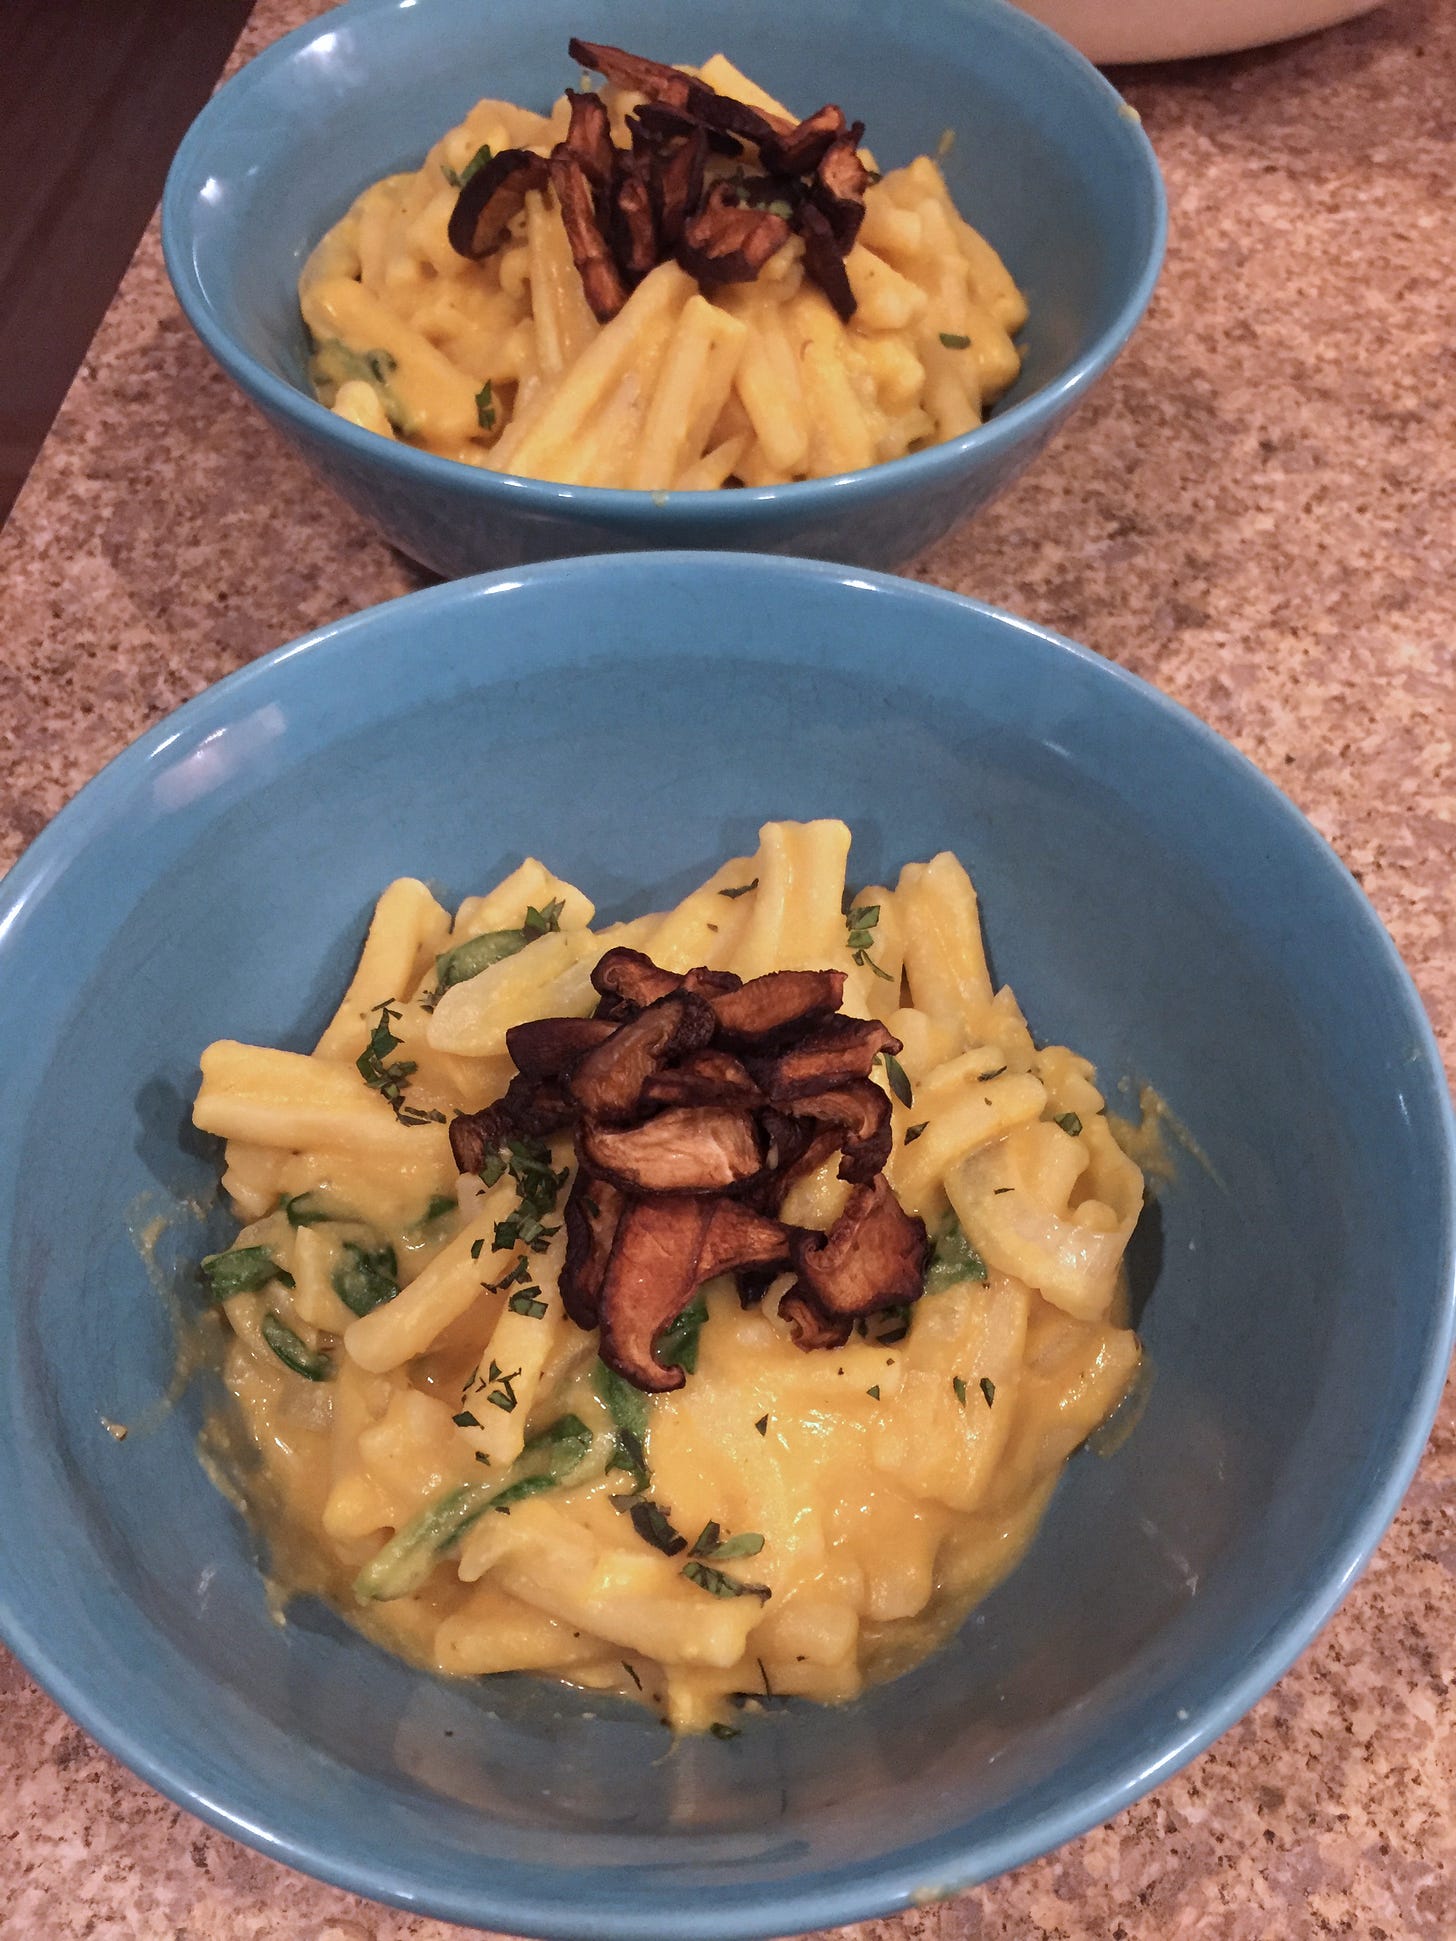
{"type": "Point", "coordinates": [872, 1257]}
{"type": "Point", "coordinates": [686, 1149]}
{"type": "Point", "coordinates": [488, 203]}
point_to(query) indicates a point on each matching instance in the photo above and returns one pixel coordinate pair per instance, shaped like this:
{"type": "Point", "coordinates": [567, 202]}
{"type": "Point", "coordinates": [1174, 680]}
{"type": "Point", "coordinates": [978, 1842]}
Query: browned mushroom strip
{"type": "Point", "coordinates": [530, 1107]}
{"type": "Point", "coordinates": [739, 1237]}
{"type": "Point", "coordinates": [629, 975]}
{"type": "Point", "coordinates": [609, 1081]}
{"type": "Point", "coordinates": [728, 241]}
{"type": "Point", "coordinates": [589, 139]}
{"type": "Point", "coordinates": [839, 187]}
{"type": "Point", "coordinates": [634, 229]}
{"type": "Point", "coordinates": [872, 1257]}
{"type": "Point", "coordinates": [809, 1325]}
{"type": "Point", "coordinates": [492, 197]}
{"type": "Point", "coordinates": [687, 1149]}
{"type": "Point", "coordinates": [775, 1002]}
{"type": "Point", "coordinates": [658, 122]}
{"type": "Point", "coordinates": [835, 1052]}
{"type": "Point", "coordinates": [593, 1209]}
{"type": "Point", "coordinates": [547, 1047]}
{"type": "Point", "coordinates": [650, 1278]}
{"type": "Point", "coordinates": [803, 148]}
{"type": "Point", "coordinates": [823, 261]}
{"type": "Point", "coordinates": [859, 1113]}
{"type": "Point", "coordinates": [705, 1078]}
{"type": "Point", "coordinates": [652, 78]}
{"type": "Point", "coordinates": [680, 185]}
{"type": "Point", "coordinates": [601, 280]}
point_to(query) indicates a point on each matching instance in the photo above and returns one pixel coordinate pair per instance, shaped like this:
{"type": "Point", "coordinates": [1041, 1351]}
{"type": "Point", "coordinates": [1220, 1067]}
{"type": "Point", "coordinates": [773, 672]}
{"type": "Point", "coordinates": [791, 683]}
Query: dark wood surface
{"type": "Point", "coordinates": [94, 97]}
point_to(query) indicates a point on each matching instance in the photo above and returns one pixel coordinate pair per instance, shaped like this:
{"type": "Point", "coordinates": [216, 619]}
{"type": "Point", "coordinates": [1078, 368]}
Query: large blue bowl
{"type": "Point", "coordinates": [1152, 899]}
{"type": "Point", "coordinates": [1046, 160]}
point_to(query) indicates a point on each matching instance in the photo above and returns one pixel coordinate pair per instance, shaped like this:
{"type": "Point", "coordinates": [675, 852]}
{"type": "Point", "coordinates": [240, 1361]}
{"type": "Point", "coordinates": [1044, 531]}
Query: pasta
{"type": "Point", "coordinates": [692, 383]}
{"type": "Point", "coordinates": [466, 1467]}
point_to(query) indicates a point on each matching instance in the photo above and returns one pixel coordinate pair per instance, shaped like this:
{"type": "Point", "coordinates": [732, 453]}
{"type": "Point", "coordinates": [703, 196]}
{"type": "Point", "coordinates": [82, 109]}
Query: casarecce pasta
{"type": "Point", "coordinates": [501, 363]}
{"type": "Point", "coordinates": [441, 1436]}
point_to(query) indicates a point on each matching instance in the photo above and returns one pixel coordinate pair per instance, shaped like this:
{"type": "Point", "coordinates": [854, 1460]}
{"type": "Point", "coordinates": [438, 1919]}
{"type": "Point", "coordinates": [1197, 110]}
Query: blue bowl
{"type": "Point", "coordinates": [1047, 161]}
{"type": "Point", "coordinates": [1153, 900]}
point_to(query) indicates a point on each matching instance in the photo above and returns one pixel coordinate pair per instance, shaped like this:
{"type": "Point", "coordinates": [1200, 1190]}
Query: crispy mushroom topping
{"type": "Point", "coordinates": [626, 212]}
{"type": "Point", "coordinates": [696, 1099]}
{"type": "Point", "coordinates": [491, 199]}
{"type": "Point", "coordinates": [872, 1257]}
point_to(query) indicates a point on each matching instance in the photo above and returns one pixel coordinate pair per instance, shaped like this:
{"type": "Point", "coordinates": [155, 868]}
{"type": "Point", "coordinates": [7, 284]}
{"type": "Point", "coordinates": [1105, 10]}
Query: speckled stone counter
{"type": "Point", "coordinates": [1257, 512]}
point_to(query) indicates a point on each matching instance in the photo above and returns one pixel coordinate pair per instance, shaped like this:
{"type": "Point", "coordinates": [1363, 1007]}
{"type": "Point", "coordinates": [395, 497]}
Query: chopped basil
{"type": "Point", "coordinates": [293, 1353]}
{"type": "Point", "coordinates": [390, 1079]}
{"type": "Point", "coordinates": [912, 1133]}
{"type": "Point", "coordinates": [527, 1302]}
{"type": "Point", "coordinates": [952, 1259]}
{"type": "Point", "coordinates": [762, 1425]}
{"type": "Point", "coordinates": [631, 1672]}
{"type": "Point", "coordinates": [519, 1270]}
{"type": "Point", "coordinates": [711, 1543]}
{"type": "Point", "coordinates": [440, 1205]}
{"type": "Point", "coordinates": [242, 1270]}
{"type": "Point", "coordinates": [717, 1583]}
{"type": "Point", "coordinates": [485, 407]}
{"type": "Point", "coordinates": [500, 1387]}
{"type": "Point", "coordinates": [537, 1183]}
{"type": "Point", "coordinates": [465, 1420]}
{"type": "Point", "coordinates": [477, 162]}
{"type": "Point", "coordinates": [984, 1078]}
{"type": "Point", "coordinates": [721, 1731]}
{"type": "Point", "coordinates": [953, 340]}
{"type": "Point", "coordinates": [988, 1389]}
{"type": "Point", "coordinates": [677, 1345]}
{"type": "Point", "coordinates": [476, 1249]}
{"type": "Point", "coordinates": [740, 889]}
{"type": "Point", "coordinates": [861, 941]}
{"type": "Point", "coordinates": [627, 1406]}
{"type": "Point", "coordinates": [1069, 1122]}
{"type": "Point", "coordinates": [875, 1391]}
{"type": "Point", "coordinates": [899, 1083]}
{"type": "Point", "coordinates": [367, 1278]}
{"type": "Point", "coordinates": [887, 1326]}
{"type": "Point", "coordinates": [651, 1524]}
{"type": "Point", "coordinates": [959, 1385]}
{"type": "Point", "coordinates": [548, 1460]}
{"type": "Point", "coordinates": [476, 954]}
{"type": "Point", "coordinates": [303, 1210]}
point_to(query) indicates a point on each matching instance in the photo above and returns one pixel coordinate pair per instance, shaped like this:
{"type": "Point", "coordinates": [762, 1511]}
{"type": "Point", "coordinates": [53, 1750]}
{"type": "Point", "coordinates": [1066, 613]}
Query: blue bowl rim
{"type": "Point", "coordinates": [807, 498]}
{"type": "Point", "coordinates": [877, 1888]}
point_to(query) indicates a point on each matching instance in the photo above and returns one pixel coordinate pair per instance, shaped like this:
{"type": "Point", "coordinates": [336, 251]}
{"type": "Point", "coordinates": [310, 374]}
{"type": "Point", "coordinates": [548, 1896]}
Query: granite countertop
{"type": "Point", "coordinates": [1256, 512]}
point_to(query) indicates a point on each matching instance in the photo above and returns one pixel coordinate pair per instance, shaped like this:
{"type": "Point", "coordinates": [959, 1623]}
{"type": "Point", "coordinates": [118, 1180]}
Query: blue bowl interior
{"type": "Point", "coordinates": [1153, 902]}
{"type": "Point", "coordinates": [1044, 160]}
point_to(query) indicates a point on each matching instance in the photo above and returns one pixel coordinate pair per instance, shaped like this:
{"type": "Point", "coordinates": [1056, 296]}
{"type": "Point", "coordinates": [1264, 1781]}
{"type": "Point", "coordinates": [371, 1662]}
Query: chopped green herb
{"type": "Point", "coordinates": [476, 1249]}
{"type": "Point", "coordinates": [988, 1389]}
{"type": "Point", "coordinates": [887, 1326]}
{"type": "Point", "coordinates": [472, 168]}
{"type": "Point", "coordinates": [984, 1078]}
{"type": "Point", "coordinates": [711, 1543]}
{"type": "Point", "coordinates": [242, 1270]}
{"type": "Point", "coordinates": [527, 1302]}
{"type": "Point", "coordinates": [293, 1353]}
{"type": "Point", "coordinates": [501, 1388]}
{"type": "Point", "coordinates": [721, 1731]}
{"type": "Point", "coordinates": [631, 1672]}
{"type": "Point", "coordinates": [465, 1420]}
{"type": "Point", "coordinates": [953, 340]}
{"type": "Point", "coordinates": [485, 407]}
{"type": "Point", "coordinates": [304, 1210]}
{"type": "Point", "coordinates": [440, 1205]}
{"type": "Point", "coordinates": [677, 1345]}
{"type": "Point", "coordinates": [548, 1460]}
{"type": "Point", "coordinates": [958, 1384]}
{"type": "Point", "coordinates": [651, 1524]}
{"type": "Point", "coordinates": [717, 1583]}
{"type": "Point", "coordinates": [476, 954]}
{"type": "Point", "coordinates": [899, 1083]}
{"type": "Point", "coordinates": [537, 1183]}
{"type": "Point", "coordinates": [367, 1278]}
{"type": "Point", "coordinates": [492, 1168]}
{"type": "Point", "coordinates": [762, 1425]}
{"type": "Point", "coordinates": [1003, 1189]}
{"type": "Point", "coordinates": [952, 1259]}
{"type": "Point", "coordinates": [875, 1391]}
{"type": "Point", "coordinates": [1069, 1122]}
{"type": "Point", "coordinates": [390, 1079]}
{"type": "Point", "coordinates": [740, 889]}
{"type": "Point", "coordinates": [519, 1270]}
{"type": "Point", "coordinates": [627, 1406]}
{"type": "Point", "coordinates": [861, 941]}
{"type": "Point", "coordinates": [912, 1133]}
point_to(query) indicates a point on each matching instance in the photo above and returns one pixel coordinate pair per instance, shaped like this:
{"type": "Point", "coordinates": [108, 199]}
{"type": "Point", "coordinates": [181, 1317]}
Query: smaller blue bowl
{"type": "Point", "coordinates": [1046, 160]}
